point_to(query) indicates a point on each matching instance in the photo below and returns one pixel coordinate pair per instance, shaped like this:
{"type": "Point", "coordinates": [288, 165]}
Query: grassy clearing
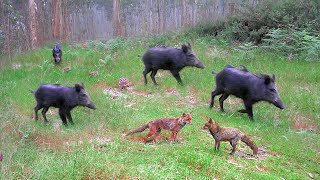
{"type": "Point", "coordinates": [94, 147]}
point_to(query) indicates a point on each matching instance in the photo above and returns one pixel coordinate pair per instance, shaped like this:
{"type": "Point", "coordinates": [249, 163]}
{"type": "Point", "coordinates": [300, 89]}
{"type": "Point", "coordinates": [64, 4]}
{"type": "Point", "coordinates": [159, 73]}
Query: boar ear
{"type": "Point", "coordinates": [184, 48]}
{"type": "Point", "coordinates": [267, 80]}
{"type": "Point", "coordinates": [273, 77]}
{"type": "Point", "coordinates": [78, 87]}
{"type": "Point", "coordinates": [82, 84]}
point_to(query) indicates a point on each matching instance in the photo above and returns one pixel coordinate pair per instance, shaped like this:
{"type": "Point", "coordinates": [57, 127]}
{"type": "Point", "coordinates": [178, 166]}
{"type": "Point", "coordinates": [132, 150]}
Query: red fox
{"type": "Point", "coordinates": [171, 124]}
{"type": "Point", "coordinates": [233, 135]}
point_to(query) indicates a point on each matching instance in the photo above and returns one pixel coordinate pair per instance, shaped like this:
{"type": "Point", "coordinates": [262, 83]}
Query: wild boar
{"type": "Point", "coordinates": [172, 59]}
{"type": "Point", "coordinates": [249, 87]}
{"type": "Point", "coordinates": [57, 54]}
{"type": "Point", "coordinates": [62, 97]}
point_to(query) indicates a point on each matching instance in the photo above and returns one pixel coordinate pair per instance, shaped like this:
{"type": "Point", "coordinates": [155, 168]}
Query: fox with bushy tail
{"type": "Point", "coordinates": [233, 135]}
{"type": "Point", "coordinates": [155, 126]}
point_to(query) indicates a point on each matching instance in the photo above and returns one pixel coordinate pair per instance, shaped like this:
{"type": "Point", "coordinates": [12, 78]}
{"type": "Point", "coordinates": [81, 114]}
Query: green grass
{"type": "Point", "coordinates": [34, 150]}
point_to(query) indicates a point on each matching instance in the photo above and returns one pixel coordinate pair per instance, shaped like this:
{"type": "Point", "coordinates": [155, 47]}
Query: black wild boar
{"type": "Point", "coordinates": [172, 59]}
{"type": "Point", "coordinates": [249, 87]}
{"type": "Point", "coordinates": [62, 97]}
{"type": "Point", "coordinates": [57, 54]}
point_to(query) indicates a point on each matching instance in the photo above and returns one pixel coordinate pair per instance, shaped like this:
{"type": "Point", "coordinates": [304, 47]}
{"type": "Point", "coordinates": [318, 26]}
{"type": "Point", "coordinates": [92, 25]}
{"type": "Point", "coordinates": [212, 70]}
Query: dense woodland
{"type": "Point", "coordinates": [30, 24]}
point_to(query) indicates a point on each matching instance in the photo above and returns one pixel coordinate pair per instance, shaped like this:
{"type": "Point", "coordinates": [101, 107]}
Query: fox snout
{"type": "Point", "coordinates": [204, 128]}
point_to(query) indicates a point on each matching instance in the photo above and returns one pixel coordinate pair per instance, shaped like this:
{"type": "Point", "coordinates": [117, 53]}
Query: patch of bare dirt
{"type": "Point", "coordinates": [302, 122]}
{"type": "Point", "coordinates": [123, 85]}
{"type": "Point", "coordinates": [141, 92]}
{"type": "Point", "coordinates": [16, 66]}
{"type": "Point", "coordinates": [47, 142]}
{"type": "Point", "coordinates": [100, 142]}
{"type": "Point", "coordinates": [189, 102]}
{"type": "Point", "coordinates": [161, 139]}
{"type": "Point", "coordinates": [171, 91]}
{"type": "Point", "coordinates": [262, 153]}
{"type": "Point", "coordinates": [114, 92]}
{"type": "Point", "coordinates": [93, 73]}
{"type": "Point", "coordinates": [51, 142]}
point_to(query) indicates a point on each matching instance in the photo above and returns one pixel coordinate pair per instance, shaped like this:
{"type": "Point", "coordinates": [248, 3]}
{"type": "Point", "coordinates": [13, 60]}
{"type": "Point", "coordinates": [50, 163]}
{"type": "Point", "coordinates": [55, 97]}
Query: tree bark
{"type": "Point", "coordinates": [65, 16]}
{"type": "Point", "coordinates": [32, 24]}
{"type": "Point", "coordinates": [117, 18]}
{"type": "Point", "coordinates": [56, 11]}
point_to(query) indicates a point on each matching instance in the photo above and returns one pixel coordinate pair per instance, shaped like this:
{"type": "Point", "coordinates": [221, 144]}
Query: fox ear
{"type": "Point", "coordinates": [210, 120]}
{"type": "Point", "coordinates": [183, 114]}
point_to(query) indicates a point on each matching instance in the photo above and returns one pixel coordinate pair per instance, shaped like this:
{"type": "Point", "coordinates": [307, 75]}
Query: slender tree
{"type": "Point", "coordinates": [32, 23]}
{"type": "Point", "coordinates": [56, 23]}
{"type": "Point", "coordinates": [117, 29]}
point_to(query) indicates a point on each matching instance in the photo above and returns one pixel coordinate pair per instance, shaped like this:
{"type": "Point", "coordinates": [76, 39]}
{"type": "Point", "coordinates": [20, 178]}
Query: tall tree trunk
{"type": "Point", "coordinates": [159, 19]}
{"type": "Point", "coordinates": [32, 24]}
{"type": "Point", "coordinates": [56, 11]}
{"type": "Point", "coordinates": [65, 16]}
{"type": "Point", "coordinates": [116, 18]}
{"type": "Point", "coordinates": [183, 13]}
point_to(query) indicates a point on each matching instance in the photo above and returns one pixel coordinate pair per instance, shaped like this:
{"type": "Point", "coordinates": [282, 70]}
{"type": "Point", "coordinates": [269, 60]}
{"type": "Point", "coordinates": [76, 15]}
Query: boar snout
{"type": "Point", "coordinates": [92, 106]}
{"type": "Point", "coordinates": [279, 104]}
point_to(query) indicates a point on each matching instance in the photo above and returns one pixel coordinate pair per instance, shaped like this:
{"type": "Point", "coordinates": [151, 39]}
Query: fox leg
{"type": "Point", "coordinates": [234, 143]}
{"type": "Point", "coordinates": [156, 135]}
{"type": "Point", "coordinates": [174, 136]}
{"type": "Point", "coordinates": [217, 145]}
{"type": "Point", "coordinates": [151, 132]}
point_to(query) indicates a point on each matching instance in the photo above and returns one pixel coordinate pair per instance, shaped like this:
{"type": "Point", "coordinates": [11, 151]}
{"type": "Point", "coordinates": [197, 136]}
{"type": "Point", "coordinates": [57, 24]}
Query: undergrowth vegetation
{"type": "Point", "coordinates": [93, 148]}
{"type": "Point", "coordinates": [288, 27]}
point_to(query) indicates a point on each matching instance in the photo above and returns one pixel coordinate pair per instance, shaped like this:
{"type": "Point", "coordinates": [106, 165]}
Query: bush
{"type": "Point", "coordinates": [254, 22]}
{"type": "Point", "coordinates": [291, 41]}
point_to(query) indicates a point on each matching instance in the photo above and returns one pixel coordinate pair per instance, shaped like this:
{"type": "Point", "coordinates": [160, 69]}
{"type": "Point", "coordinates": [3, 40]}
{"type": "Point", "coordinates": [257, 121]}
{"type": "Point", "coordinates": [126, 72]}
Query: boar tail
{"type": "Point", "coordinates": [32, 91]}
{"type": "Point", "coordinates": [139, 56]}
{"type": "Point", "coordinates": [213, 72]}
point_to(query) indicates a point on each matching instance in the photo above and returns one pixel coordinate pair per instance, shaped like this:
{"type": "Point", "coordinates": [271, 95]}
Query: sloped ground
{"type": "Point", "coordinates": [94, 148]}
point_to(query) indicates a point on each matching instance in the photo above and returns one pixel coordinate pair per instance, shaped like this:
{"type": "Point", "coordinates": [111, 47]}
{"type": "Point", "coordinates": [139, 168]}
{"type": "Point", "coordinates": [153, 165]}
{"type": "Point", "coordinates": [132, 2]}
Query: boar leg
{"type": "Point", "coordinates": [177, 76]}
{"type": "Point", "coordinates": [242, 111]}
{"type": "Point", "coordinates": [44, 111]}
{"type": "Point", "coordinates": [69, 117]}
{"type": "Point", "coordinates": [145, 72]}
{"type": "Point", "coordinates": [221, 99]}
{"type": "Point", "coordinates": [63, 116]}
{"type": "Point", "coordinates": [248, 106]}
{"type": "Point", "coordinates": [36, 109]}
{"type": "Point", "coordinates": [153, 74]}
{"type": "Point", "coordinates": [213, 94]}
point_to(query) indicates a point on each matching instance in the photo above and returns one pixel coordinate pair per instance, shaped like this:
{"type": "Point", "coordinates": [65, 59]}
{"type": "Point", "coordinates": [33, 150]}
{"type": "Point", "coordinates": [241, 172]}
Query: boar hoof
{"type": "Point", "coordinates": [242, 111]}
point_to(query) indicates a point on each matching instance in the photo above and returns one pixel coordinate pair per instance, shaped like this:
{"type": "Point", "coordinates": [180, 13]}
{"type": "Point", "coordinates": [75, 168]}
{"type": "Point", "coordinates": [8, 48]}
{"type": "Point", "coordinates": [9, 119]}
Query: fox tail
{"type": "Point", "coordinates": [140, 129]}
{"type": "Point", "coordinates": [246, 139]}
